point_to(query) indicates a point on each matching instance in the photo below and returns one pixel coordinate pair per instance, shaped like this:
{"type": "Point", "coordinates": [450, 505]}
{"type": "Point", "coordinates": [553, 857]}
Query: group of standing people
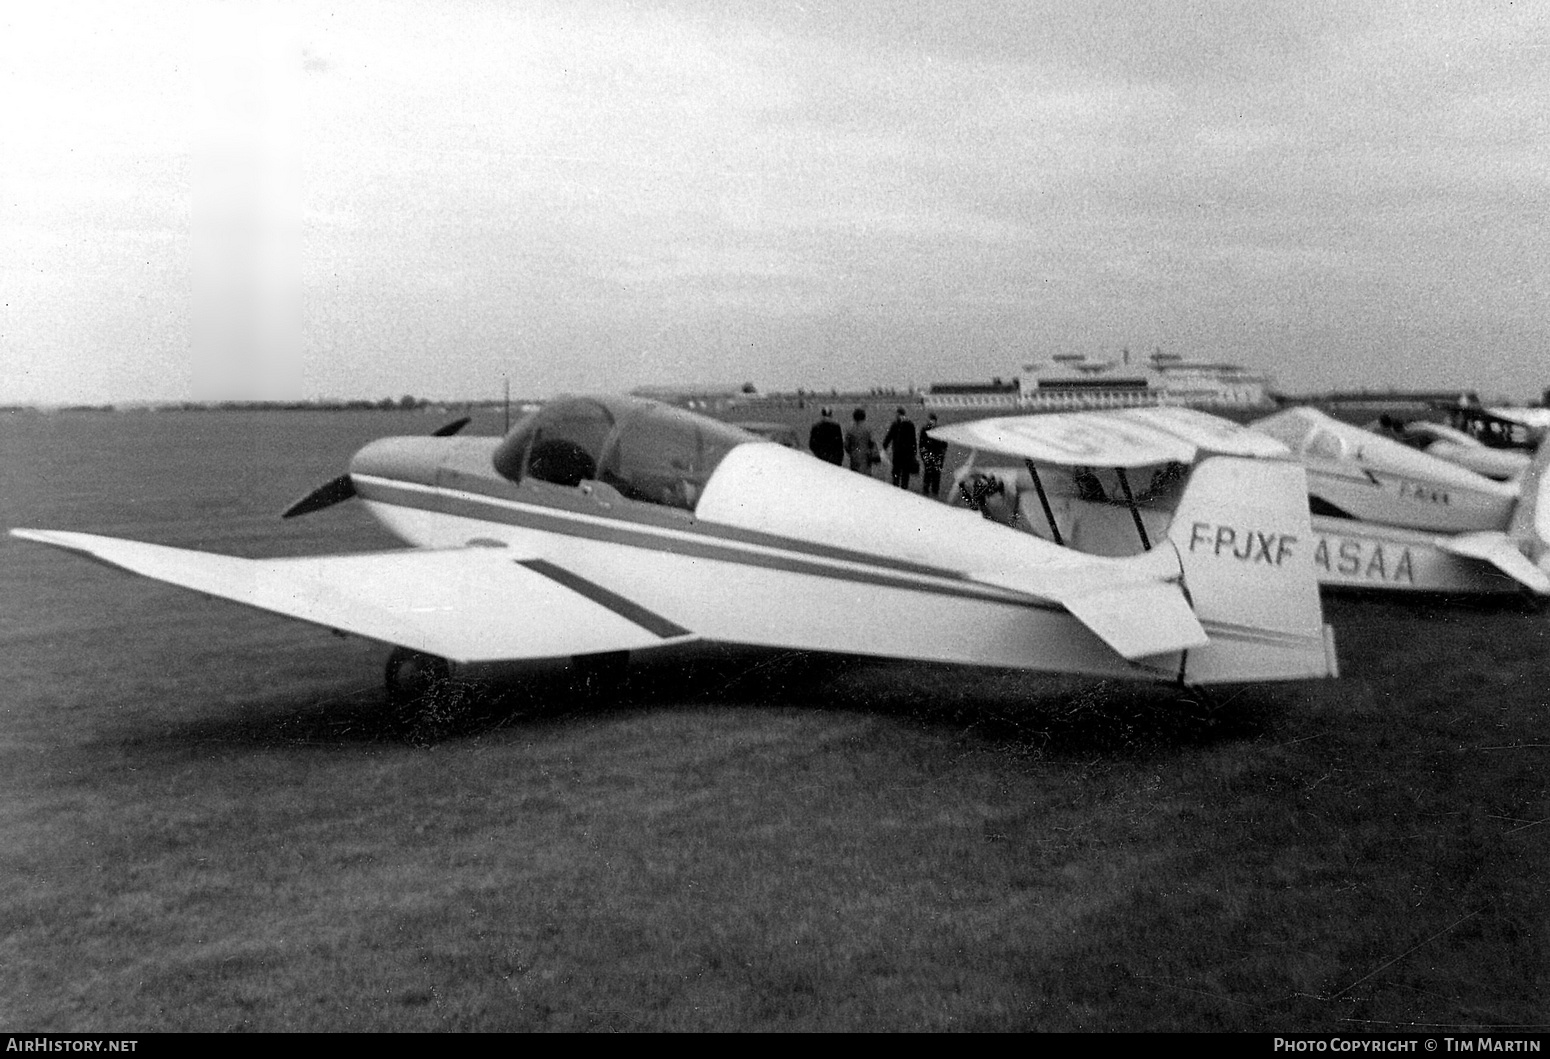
{"type": "Point", "coordinates": [908, 450]}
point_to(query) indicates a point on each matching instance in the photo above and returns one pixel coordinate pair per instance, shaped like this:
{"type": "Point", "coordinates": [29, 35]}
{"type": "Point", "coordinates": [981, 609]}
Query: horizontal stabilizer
{"type": "Point", "coordinates": [473, 604]}
{"type": "Point", "coordinates": [1501, 552]}
{"type": "Point", "coordinates": [1140, 620]}
{"type": "Point", "coordinates": [1134, 605]}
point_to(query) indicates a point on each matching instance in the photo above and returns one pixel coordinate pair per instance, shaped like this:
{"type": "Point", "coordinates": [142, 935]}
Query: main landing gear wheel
{"type": "Point", "coordinates": [427, 701]}
{"type": "Point", "coordinates": [414, 676]}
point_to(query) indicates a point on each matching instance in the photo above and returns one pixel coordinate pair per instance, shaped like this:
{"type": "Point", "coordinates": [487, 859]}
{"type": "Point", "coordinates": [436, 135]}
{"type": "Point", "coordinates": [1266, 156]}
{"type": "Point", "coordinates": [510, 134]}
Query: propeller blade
{"type": "Point", "coordinates": [326, 495]}
{"type": "Point", "coordinates": [452, 427]}
{"type": "Point", "coordinates": [342, 488]}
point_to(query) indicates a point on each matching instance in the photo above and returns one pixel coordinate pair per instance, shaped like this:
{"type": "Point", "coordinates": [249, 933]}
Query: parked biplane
{"type": "Point", "coordinates": [1384, 516]}
{"type": "Point", "coordinates": [608, 527]}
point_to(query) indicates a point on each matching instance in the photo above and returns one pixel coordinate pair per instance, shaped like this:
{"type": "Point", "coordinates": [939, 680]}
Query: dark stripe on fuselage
{"type": "Point", "coordinates": [629, 610]}
{"type": "Point", "coordinates": [630, 513]}
{"type": "Point", "coordinates": [619, 531]}
{"type": "Point", "coordinates": [1385, 479]}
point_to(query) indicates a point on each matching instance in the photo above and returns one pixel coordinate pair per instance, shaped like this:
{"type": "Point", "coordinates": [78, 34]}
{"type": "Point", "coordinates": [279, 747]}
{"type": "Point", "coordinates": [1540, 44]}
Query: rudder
{"type": "Point", "coordinates": [1246, 545]}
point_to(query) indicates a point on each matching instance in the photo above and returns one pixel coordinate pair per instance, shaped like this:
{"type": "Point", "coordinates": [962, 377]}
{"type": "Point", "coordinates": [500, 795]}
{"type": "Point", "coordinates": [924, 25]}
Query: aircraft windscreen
{"type": "Point", "coordinates": [664, 455]}
{"type": "Point", "coordinates": [648, 452]}
{"type": "Point", "coordinates": [561, 444]}
{"type": "Point", "coordinates": [1288, 427]}
{"type": "Point", "coordinates": [1326, 445]}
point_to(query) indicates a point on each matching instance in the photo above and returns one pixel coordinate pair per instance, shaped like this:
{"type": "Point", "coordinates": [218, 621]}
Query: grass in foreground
{"type": "Point", "coordinates": [865, 847]}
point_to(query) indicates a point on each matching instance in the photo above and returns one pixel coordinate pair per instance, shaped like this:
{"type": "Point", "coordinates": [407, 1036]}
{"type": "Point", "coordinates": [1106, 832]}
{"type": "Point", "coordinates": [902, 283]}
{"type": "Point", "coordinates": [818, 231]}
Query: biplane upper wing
{"type": "Point", "coordinates": [470, 604]}
{"type": "Point", "coordinates": [1132, 437]}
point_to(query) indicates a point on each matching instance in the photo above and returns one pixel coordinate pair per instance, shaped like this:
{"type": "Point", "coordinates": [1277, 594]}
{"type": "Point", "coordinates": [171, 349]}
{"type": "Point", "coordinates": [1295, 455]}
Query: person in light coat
{"type": "Point", "coordinates": [860, 448]}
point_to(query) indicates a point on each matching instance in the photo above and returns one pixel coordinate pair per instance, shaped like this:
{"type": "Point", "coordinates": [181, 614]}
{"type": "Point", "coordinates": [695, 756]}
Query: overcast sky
{"type": "Point", "coordinates": [364, 199]}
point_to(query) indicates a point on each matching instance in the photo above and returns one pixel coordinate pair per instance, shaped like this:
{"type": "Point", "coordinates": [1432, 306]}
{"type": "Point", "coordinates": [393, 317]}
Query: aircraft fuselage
{"type": "Point", "coordinates": [880, 579]}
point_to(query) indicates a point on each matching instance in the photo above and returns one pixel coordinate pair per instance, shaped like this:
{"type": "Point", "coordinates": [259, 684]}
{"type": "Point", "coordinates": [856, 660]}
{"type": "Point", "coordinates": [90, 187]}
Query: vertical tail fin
{"type": "Point", "coordinates": [1246, 545]}
{"type": "Point", "coordinates": [1530, 525]}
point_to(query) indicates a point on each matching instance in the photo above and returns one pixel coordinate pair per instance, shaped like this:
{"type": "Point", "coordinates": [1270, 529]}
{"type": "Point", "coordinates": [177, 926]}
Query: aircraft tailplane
{"type": "Point", "coordinates": [1246, 545]}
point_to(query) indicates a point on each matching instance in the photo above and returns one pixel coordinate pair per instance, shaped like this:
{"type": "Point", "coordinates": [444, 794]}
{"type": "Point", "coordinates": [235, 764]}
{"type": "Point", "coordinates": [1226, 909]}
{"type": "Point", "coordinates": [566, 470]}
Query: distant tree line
{"type": "Point", "coordinates": [406, 403]}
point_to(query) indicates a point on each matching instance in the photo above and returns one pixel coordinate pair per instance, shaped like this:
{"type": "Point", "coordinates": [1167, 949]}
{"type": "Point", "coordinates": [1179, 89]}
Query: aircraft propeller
{"type": "Point", "coordinates": [337, 490]}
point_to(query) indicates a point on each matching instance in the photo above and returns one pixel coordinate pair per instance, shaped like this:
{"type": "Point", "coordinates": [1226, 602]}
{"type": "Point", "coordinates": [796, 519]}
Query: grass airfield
{"type": "Point", "coordinates": [209, 820]}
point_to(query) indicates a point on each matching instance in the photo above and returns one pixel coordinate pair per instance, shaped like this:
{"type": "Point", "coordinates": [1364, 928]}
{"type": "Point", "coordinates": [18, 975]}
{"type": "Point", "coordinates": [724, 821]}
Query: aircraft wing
{"type": "Point", "coordinates": [1132, 437]}
{"type": "Point", "coordinates": [471, 604]}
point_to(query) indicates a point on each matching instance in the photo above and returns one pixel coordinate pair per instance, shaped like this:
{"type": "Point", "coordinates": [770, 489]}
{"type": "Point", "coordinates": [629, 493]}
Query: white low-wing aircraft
{"type": "Point", "coordinates": [600, 526]}
{"type": "Point", "coordinates": [1480, 539]}
{"type": "Point", "coordinates": [1354, 473]}
{"type": "Point", "coordinates": [1455, 446]}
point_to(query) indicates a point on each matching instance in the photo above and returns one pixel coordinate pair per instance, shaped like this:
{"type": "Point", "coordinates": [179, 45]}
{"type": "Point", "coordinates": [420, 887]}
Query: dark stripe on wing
{"type": "Point", "coordinates": [629, 610]}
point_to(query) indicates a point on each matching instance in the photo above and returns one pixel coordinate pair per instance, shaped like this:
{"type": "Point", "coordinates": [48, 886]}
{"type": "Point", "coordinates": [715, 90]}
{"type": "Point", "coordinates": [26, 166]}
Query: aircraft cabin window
{"type": "Point", "coordinates": [560, 445]}
{"type": "Point", "coordinates": [662, 455]}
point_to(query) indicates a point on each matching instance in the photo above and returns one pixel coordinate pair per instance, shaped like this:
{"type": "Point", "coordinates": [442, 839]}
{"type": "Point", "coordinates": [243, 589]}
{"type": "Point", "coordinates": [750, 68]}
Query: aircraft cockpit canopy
{"type": "Point", "coordinates": [1304, 431]}
{"type": "Point", "coordinates": [649, 452]}
{"type": "Point", "coordinates": [1290, 427]}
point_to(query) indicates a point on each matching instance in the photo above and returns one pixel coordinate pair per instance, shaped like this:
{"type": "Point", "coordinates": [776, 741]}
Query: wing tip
{"type": "Point", "coordinates": [56, 538]}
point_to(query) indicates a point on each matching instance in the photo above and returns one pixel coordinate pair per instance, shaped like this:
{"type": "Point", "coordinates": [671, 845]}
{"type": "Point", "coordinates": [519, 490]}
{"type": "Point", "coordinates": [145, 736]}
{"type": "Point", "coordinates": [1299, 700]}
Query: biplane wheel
{"type": "Point", "coordinates": [412, 676]}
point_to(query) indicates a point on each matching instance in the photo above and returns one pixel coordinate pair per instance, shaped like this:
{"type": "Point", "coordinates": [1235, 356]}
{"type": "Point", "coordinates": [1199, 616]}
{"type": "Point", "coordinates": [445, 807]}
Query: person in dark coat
{"type": "Point", "coordinates": [860, 449]}
{"type": "Point", "coordinates": [900, 443]}
{"type": "Point", "coordinates": [826, 440]}
{"type": "Point", "coordinates": [933, 454]}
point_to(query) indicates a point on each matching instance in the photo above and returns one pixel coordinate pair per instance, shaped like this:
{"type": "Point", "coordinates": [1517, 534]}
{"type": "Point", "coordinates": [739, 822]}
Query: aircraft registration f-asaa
{"type": "Point", "coordinates": [603, 526]}
{"type": "Point", "coordinates": [1384, 515]}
